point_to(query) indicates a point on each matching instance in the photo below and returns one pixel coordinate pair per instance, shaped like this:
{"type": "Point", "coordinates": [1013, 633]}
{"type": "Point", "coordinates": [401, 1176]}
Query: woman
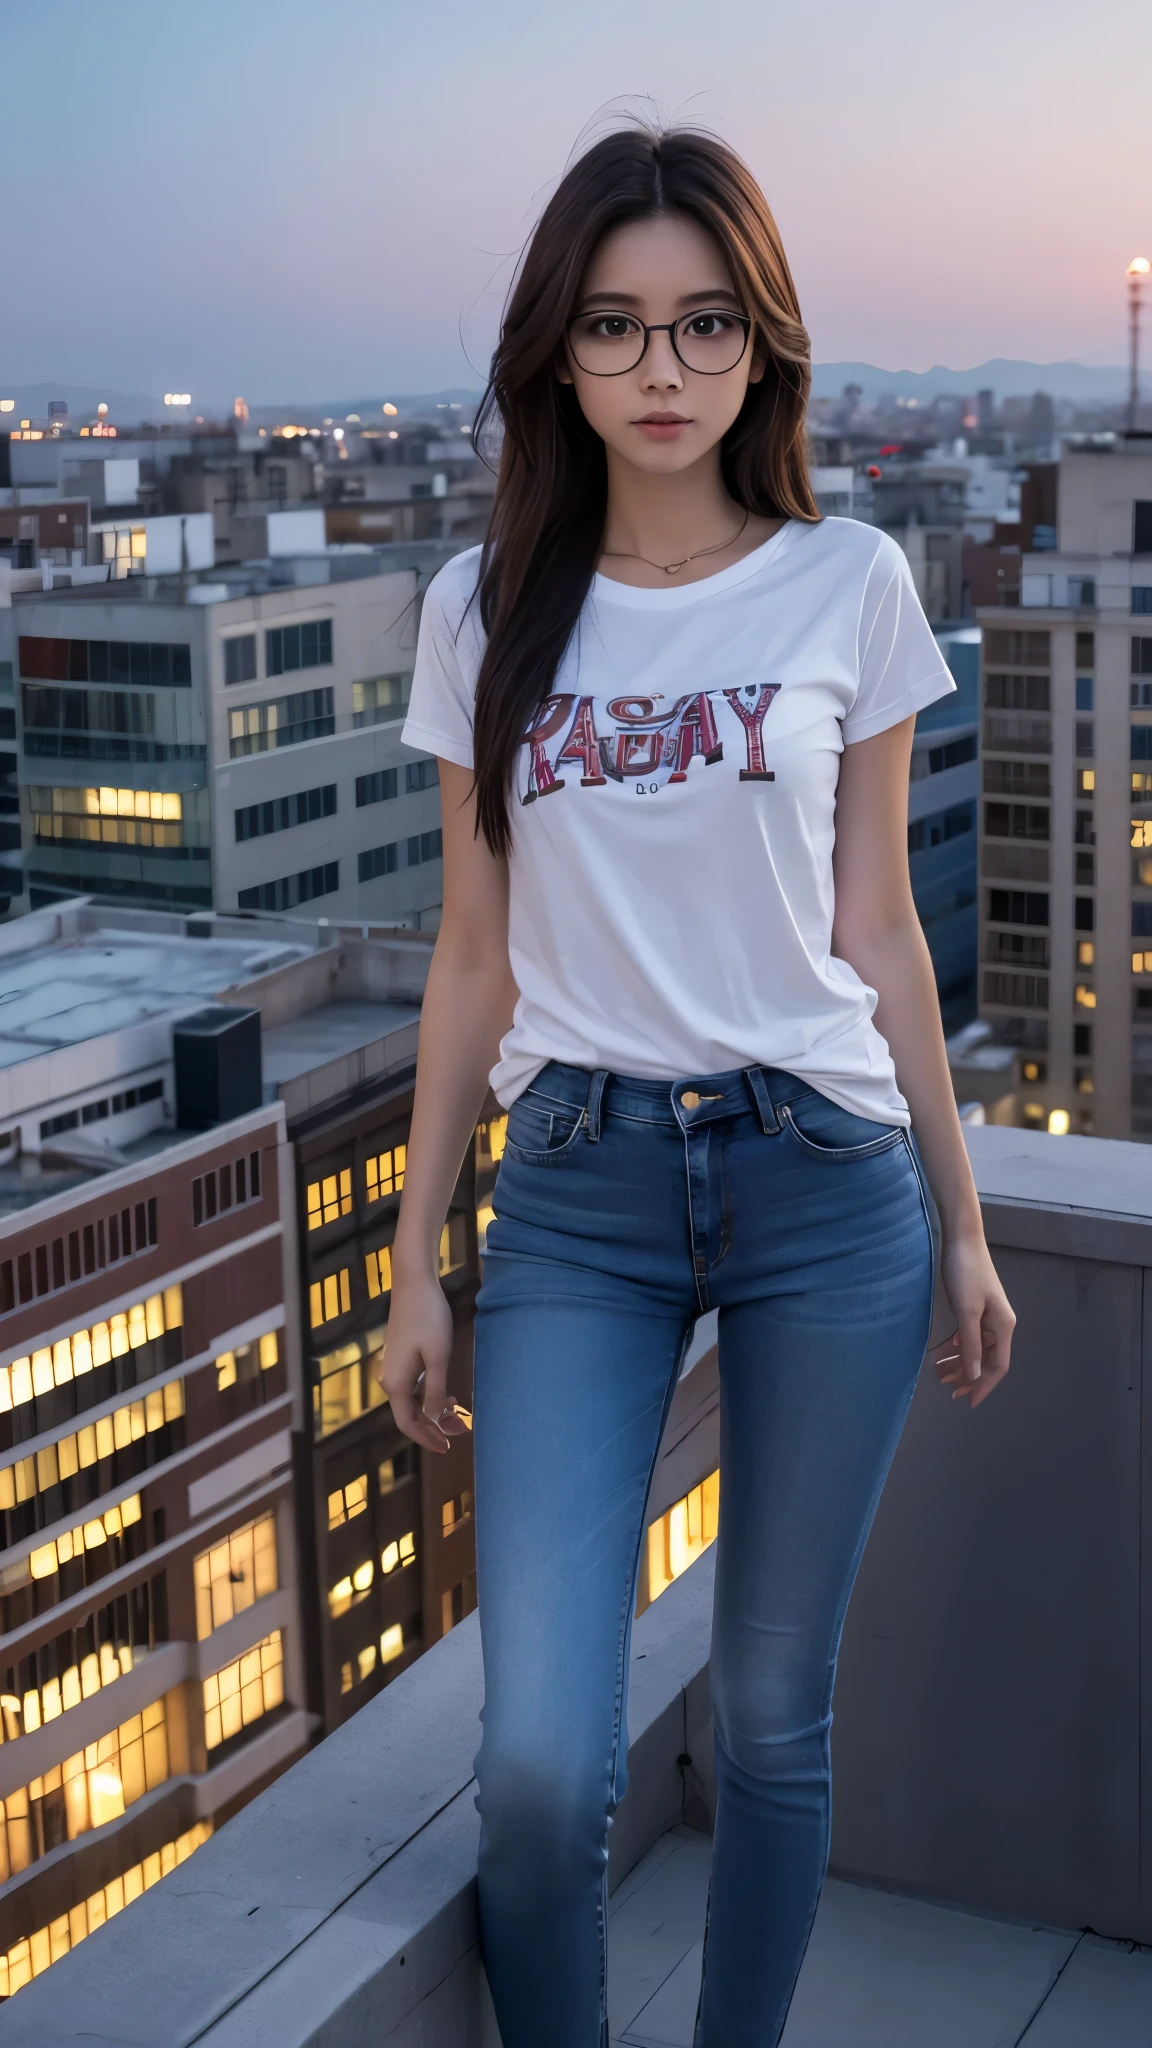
{"type": "Point", "coordinates": [673, 710]}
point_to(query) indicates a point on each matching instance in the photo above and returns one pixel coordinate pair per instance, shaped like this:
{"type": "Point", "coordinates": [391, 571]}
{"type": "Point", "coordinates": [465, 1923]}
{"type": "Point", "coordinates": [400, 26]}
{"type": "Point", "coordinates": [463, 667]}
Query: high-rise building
{"type": "Point", "coordinates": [231, 745]}
{"type": "Point", "coordinates": [1066, 832]}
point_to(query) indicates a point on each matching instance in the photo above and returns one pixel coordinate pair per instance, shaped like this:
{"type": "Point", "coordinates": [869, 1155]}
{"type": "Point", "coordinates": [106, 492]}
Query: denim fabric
{"type": "Point", "coordinates": [621, 1215]}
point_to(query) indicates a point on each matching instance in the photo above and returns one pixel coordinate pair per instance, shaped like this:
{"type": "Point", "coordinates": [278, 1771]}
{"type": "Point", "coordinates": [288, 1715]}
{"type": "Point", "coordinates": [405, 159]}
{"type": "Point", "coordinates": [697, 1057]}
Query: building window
{"type": "Point", "coordinates": [1141, 696]}
{"type": "Point", "coordinates": [380, 699]}
{"type": "Point", "coordinates": [37, 1952]}
{"type": "Point", "coordinates": [454, 1513]}
{"type": "Point", "coordinates": [234, 1573]}
{"type": "Point", "coordinates": [395, 1556]}
{"type": "Point", "coordinates": [243, 1692]}
{"type": "Point", "coordinates": [64, 1260]}
{"type": "Point", "coordinates": [140, 663]}
{"type": "Point", "coordinates": [226, 1187]}
{"type": "Point", "coordinates": [329, 1298]}
{"type": "Point", "coordinates": [1085, 650]}
{"type": "Point", "coordinates": [1141, 598]}
{"type": "Point", "coordinates": [1085, 746]}
{"type": "Point", "coordinates": [56, 1365]}
{"type": "Point", "coordinates": [73, 1545]}
{"type": "Point", "coordinates": [378, 860]}
{"type": "Point", "coordinates": [1017, 649]}
{"type": "Point", "coordinates": [378, 1271]}
{"type": "Point", "coordinates": [82, 1661]}
{"type": "Point", "coordinates": [423, 775]}
{"type": "Point", "coordinates": [347, 1385]}
{"type": "Point", "coordinates": [452, 1246]}
{"type": "Point", "coordinates": [1142, 526]}
{"type": "Point", "coordinates": [1142, 920]}
{"type": "Point", "coordinates": [376, 789]}
{"type": "Point", "coordinates": [280, 722]}
{"type": "Point", "coordinates": [255, 821]}
{"type": "Point", "coordinates": [96, 1785]}
{"type": "Point", "coordinates": [348, 1592]}
{"type": "Point", "coordinates": [240, 658]}
{"type": "Point", "coordinates": [425, 846]}
{"type": "Point", "coordinates": [1082, 1041]}
{"type": "Point", "coordinates": [393, 1643]}
{"type": "Point", "coordinates": [384, 1173]}
{"type": "Point", "coordinates": [1016, 778]}
{"type": "Point", "coordinates": [1085, 915]}
{"type": "Point", "coordinates": [950, 755]}
{"type": "Point", "coordinates": [1141, 743]}
{"type": "Point", "coordinates": [329, 1198]}
{"type": "Point", "coordinates": [1084, 693]}
{"type": "Point", "coordinates": [1141, 654]}
{"type": "Point", "coordinates": [107, 817]}
{"type": "Point", "coordinates": [348, 1501]}
{"type": "Point", "coordinates": [292, 889]}
{"type": "Point", "coordinates": [1016, 991]}
{"type": "Point", "coordinates": [287, 648]}
{"type": "Point", "coordinates": [942, 826]}
{"type": "Point", "coordinates": [36, 1478]}
{"type": "Point", "coordinates": [1016, 821]}
{"type": "Point", "coordinates": [456, 1602]}
{"type": "Point", "coordinates": [238, 1368]}
{"type": "Point", "coordinates": [676, 1539]}
{"type": "Point", "coordinates": [1017, 906]}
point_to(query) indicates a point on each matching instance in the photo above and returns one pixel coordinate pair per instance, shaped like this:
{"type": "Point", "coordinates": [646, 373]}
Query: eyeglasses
{"type": "Point", "coordinates": [607, 344]}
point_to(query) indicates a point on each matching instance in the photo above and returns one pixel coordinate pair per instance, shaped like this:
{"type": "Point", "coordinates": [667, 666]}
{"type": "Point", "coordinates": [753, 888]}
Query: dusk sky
{"type": "Point", "coordinates": [291, 199]}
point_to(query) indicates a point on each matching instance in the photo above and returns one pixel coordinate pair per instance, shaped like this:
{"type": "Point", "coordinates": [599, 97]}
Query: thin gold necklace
{"type": "Point", "coordinates": [670, 568]}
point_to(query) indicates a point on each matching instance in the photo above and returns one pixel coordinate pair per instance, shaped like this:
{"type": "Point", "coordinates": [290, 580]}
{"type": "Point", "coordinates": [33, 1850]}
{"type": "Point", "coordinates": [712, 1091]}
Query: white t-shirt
{"type": "Point", "coordinates": [673, 812]}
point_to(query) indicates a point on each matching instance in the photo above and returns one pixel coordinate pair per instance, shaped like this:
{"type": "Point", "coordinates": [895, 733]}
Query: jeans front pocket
{"type": "Point", "coordinates": [822, 1128]}
{"type": "Point", "coordinates": [541, 1132]}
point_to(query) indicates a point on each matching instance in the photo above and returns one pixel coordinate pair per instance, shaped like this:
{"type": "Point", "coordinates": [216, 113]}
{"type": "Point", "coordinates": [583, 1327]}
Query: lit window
{"type": "Point", "coordinates": [1059, 1123]}
{"type": "Point", "coordinates": [247, 1361]}
{"type": "Point", "coordinates": [348, 1592]}
{"type": "Point", "coordinates": [391, 1643]}
{"type": "Point", "coordinates": [1085, 953]}
{"type": "Point", "coordinates": [1085, 997]}
{"type": "Point", "coordinates": [244, 1691]}
{"type": "Point", "coordinates": [378, 1266]}
{"type": "Point", "coordinates": [398, 1554]}
{"type": "Point", "coordinates": [384, 1172]}
{"type": "Point", "coordinates": [37, 1952]}
{"type": "Point", "coordinates": [453, 1512]}
{"type": "Point", "coordinates": [1142, 832]}
{"type": "Point", "coordinates": [86, 1536]}
{"type": "Point", "coordinates": [85, 1350]}
{"type": "Point", "coordinates": [452, 1246]}
{"type": "Point", "coordinates": [234, 1573]}
{"type": "Point", "coordinates": [1086, 781]}
{"type": "Point", "coordinates": [96, 1785]}
{"type": "Point", "coordinates": [329, 1298]}
{"type": "Point", "coordinates": [348, 1501]}
{"type": "Point", "coordinates": [679, 1537]}
{"type": "Point", "coordinates": [85, 1447]}
{"type": "Point", "coordinates": [329, 1198]}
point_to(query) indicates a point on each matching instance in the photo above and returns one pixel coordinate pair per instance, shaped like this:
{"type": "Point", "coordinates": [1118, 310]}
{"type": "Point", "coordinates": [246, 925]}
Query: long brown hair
{"type": "Point", "coordinates": [551, 493]}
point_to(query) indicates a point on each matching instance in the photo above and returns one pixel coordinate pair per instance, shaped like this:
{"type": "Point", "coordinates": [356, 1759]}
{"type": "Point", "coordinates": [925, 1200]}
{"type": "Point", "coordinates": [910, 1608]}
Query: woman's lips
{"type": "Point", "coordinates": [662, 426]}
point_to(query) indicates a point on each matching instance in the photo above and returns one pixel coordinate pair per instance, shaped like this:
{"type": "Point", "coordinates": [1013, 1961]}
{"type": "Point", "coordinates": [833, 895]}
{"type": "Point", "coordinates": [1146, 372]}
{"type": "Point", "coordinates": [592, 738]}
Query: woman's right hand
{"type": "Point", "coordinates": [413, 1367]}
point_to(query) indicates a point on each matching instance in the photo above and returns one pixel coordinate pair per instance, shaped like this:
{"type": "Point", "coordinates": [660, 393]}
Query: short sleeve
{"type": "Point", "coordinates": [901, 668]}
{"type": "Point", "coordinates": [448, 650]}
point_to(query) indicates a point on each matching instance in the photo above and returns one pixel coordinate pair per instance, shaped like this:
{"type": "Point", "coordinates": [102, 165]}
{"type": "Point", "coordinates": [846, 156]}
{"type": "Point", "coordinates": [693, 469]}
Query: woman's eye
{"type": "Point", "coordinates": [613, 326]}
{"type": "Point", "coordinates": [707, 325]}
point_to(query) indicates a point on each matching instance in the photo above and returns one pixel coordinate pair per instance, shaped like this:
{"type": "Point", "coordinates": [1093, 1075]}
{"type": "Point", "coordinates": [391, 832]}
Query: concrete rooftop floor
{"type": "Point", "coordinates": [881, 1971]}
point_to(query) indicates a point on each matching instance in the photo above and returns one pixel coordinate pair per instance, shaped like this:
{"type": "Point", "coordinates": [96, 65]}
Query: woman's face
{"type": "Point", "coordinates": [662, 415]}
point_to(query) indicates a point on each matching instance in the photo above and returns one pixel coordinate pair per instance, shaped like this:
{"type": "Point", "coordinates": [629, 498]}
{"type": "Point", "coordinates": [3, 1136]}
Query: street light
{"type": "Point", "coordinates": [1137, 271]}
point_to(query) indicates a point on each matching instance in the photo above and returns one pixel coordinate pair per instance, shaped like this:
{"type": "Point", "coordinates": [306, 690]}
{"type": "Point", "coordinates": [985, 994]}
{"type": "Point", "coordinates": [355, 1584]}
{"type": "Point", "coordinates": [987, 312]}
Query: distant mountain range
{"type": "Point", "coordinates": [1004, 375]}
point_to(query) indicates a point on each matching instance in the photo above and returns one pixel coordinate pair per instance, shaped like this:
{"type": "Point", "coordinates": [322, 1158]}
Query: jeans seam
{"type": "Point", "coordinates": [868, 1150]}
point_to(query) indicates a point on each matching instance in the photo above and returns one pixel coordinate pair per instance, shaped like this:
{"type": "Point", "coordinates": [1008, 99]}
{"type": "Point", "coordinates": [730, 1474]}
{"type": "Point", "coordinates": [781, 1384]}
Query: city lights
{"type": "Point", "coordinates": [390, 409]}
{"type": "Point", "coordinates": [177, 398]}
{"type": "Point", "coordinates": [7, 405]}
{"type": "Point", "coordinates": [1059, 1123]}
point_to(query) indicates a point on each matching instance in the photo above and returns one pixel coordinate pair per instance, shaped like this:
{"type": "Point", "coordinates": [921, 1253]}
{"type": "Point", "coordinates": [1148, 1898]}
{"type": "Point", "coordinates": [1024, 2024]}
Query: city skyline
{"type": "Point", "coordinates": [245, 201]}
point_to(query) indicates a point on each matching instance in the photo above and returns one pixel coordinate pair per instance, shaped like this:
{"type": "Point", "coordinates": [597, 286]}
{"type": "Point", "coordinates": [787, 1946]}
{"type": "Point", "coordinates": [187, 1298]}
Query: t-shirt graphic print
{"type": "Point", "coordinates": [673, 811]}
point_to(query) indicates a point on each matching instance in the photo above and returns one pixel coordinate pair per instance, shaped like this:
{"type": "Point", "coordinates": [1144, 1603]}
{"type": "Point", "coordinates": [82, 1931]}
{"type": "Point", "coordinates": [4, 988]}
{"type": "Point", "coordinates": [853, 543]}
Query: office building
{"type": "Point", "coordinates": [230, 744]}
{"type": "Point", "coordinates": [942, 804]}
{"type": "Point", "coordinates": [1066, 832]}
{"type": "Point", "coordinates": [151, 1648]}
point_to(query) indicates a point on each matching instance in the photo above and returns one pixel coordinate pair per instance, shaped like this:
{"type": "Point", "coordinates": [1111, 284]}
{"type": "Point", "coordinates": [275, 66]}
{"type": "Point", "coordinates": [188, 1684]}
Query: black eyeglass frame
{"type": "Point", "coordinates": [667, 327]}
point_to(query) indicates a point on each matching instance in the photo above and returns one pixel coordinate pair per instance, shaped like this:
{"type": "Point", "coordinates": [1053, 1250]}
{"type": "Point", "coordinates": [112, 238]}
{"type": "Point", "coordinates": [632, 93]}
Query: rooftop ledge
{"type": "Point", "coordinates": [995, 1689]}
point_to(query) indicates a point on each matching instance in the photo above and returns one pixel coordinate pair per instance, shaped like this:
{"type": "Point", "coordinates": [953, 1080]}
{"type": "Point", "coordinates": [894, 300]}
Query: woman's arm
{"type": "Point", "coordinates": [467, 1009]}
{"type": "Point", "coordinates": [876, 930]}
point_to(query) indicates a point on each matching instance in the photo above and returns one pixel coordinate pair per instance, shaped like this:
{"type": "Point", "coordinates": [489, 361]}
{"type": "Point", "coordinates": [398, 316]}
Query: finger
{"type": "Point", "coordinates": [970, 1346]}
{"type": "Point", "coordinates": [439, 1406]}
{"type": "Point", "coordinates": [997, 1358]}
{"type": "Point", "coordinates": [947, 1359]}
{"type": "Point", "coordinates": [407, 1409]}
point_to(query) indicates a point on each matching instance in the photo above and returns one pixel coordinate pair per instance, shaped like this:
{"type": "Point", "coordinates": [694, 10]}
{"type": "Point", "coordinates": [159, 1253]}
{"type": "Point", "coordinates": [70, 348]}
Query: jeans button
{"type": "Point", "coordinates": [690, 1099]}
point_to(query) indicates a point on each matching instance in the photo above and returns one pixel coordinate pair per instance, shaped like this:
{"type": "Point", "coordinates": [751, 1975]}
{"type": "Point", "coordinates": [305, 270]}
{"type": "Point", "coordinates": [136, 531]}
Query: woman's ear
{"type": "Point", "coordinates": [759, 363]}
{"type": "Point", "coordinates": [563, 373]}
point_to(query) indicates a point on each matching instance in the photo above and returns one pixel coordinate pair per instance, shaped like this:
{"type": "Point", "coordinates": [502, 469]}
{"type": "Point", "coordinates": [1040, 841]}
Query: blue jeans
{"type": "Point", "coordinates": [625, 1209]}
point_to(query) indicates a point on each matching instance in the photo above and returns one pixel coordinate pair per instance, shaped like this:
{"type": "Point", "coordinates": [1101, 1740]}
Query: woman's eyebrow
{"type": "Point", "coordinates": [712, 295]}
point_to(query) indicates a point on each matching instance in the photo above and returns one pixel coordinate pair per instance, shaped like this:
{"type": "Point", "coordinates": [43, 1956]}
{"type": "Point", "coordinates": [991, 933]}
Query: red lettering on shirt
{"type": "Point", "coordinates": [583, 745]}
{"type": "Point", "coordinates": [546, 721]}
{"type": "Point", "coordinates": [695, 734]}
{"type": "Point", "coordinates": [753, 722]}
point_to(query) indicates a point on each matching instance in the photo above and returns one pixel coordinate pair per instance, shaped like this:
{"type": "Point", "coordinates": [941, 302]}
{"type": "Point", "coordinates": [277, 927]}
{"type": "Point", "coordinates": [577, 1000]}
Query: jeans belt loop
{"type": "Point", "coordinates": [592, 1110]}
{"type": "Point", "coordinates": [757, 1088]}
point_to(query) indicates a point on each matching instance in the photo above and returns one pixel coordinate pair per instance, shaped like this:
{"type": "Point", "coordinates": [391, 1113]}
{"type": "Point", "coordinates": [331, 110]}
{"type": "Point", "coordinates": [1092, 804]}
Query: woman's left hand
{"type": "Point", "coordinates": [975, 1359]}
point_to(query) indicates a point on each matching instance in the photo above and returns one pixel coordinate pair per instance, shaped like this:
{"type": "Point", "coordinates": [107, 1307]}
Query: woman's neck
{"type": "Point", "coordinates": [653, 521]}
